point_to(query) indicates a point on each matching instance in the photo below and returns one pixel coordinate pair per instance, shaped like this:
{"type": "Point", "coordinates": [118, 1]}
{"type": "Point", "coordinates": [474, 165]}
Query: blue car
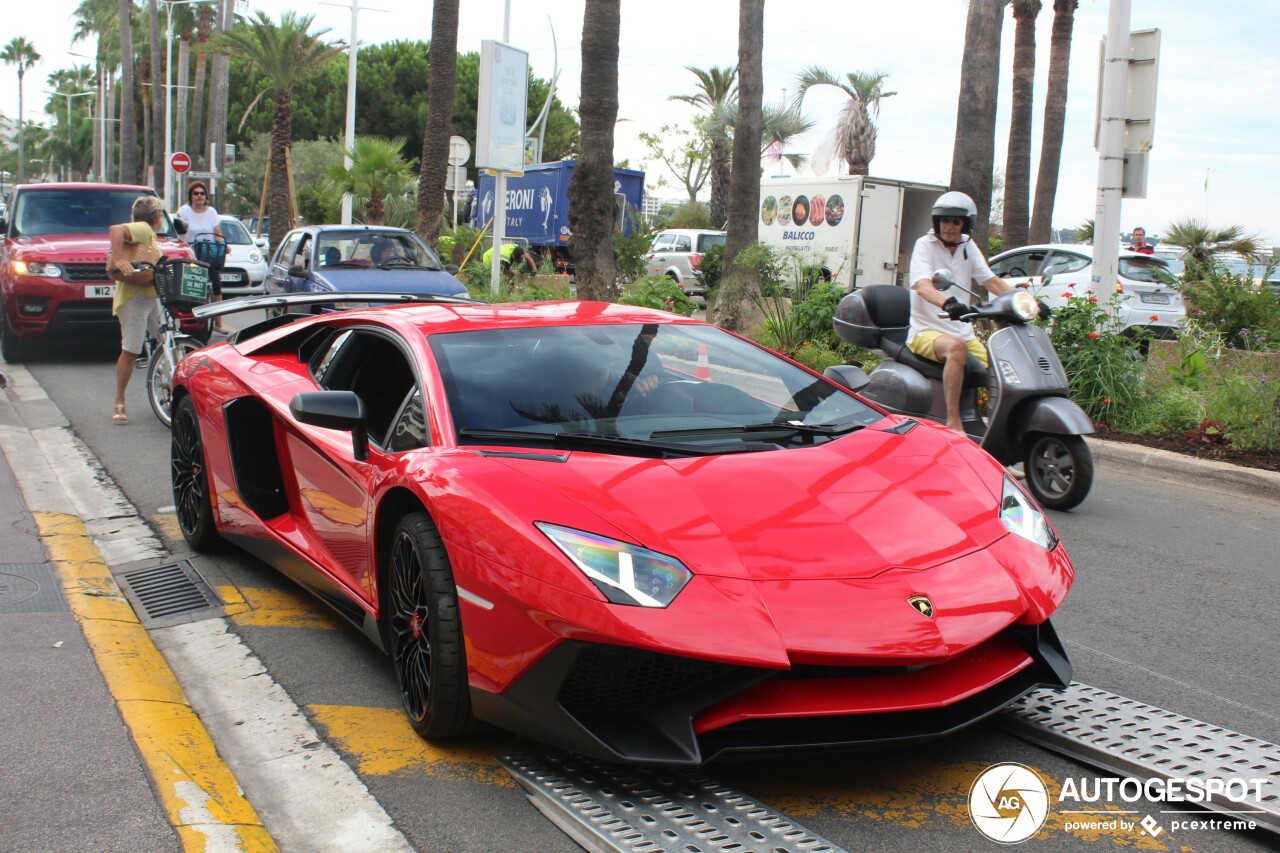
{"type": "Point", "coordinates": [357, 258]}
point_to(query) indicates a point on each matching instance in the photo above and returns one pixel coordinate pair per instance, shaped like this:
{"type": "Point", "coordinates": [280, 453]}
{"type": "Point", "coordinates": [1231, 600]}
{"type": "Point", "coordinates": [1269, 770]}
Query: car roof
{"type": "Point", "coordinates": [86, 185]}
{"type": "Point", "coordinates": [1078, 248]}
{"type": "Point", "coordinates": [691, 231]}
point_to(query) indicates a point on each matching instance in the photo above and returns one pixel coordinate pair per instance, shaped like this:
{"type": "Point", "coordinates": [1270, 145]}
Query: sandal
{"type": "Point", "coordinates": [119, 417]}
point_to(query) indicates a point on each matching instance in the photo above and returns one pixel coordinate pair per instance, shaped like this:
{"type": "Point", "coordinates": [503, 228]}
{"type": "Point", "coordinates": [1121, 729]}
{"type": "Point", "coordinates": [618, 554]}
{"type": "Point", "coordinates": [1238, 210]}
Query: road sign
{"type": "Point", "coordinates": [204, 175]}
{"type": "Point", "coordinates": [180, 162]}
{"type": "Point", "coordinates": [459, 150]}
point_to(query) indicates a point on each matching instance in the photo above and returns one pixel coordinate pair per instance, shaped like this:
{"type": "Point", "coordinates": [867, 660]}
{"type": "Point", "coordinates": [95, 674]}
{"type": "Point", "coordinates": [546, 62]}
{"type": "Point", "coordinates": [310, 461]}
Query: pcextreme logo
{"type": "Point", "coordinates": [1008, 803]}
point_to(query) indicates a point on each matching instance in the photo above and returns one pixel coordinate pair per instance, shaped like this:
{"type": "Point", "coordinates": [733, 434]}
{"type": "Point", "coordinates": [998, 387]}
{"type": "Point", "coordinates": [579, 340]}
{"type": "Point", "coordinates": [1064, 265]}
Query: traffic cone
{"type": "Point", "coordinates": [703, 370]}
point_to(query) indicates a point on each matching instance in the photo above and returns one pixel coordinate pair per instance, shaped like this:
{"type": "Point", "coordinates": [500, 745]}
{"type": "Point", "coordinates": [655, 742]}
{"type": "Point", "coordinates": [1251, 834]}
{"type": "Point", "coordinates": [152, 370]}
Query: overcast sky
{"type": "Point", "coordinates": [1217, 114]}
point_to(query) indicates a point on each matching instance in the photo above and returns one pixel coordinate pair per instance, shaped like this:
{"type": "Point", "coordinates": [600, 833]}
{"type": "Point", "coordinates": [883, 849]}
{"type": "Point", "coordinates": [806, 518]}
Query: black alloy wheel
{"type": "Point", "coordinates": [423, 629]}
{"type": "Point", "coordinates": [191, 479]}
{"type": "Point", "coordinates": [1059, 469]}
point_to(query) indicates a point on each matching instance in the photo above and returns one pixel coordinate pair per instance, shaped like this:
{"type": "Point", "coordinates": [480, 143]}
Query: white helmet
{"type": "Point", "coordinates": [955, 203]}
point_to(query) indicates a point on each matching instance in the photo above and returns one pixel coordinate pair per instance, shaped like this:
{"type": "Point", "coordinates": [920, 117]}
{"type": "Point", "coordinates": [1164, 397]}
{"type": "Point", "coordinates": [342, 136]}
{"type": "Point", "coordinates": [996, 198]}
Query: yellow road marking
{"type": "Point", "coordinates": [197, 790]}
{"type": "Point", "coordinates": [278, 608]}
{"type": "Point", "coordinates": [167, 522]}
{"type": "Point", "coordinates": [382, 743]}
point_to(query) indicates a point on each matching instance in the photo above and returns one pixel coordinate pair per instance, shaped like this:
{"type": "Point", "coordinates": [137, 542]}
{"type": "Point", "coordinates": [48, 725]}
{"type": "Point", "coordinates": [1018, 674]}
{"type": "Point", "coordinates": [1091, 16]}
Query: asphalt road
{"type": "Point", "coordinates": [1174, 605]}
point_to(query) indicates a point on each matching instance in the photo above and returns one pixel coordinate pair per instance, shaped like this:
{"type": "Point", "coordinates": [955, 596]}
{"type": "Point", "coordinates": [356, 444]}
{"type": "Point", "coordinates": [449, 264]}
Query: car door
{"type": "Point", "coordinates": [278, 275]}
{"type": "Point", "coordinates": [333, 487]}
{"type": "Point", "coordinates": [659, 251]}
{"type": "Point", "coordinates": [1065, 273]}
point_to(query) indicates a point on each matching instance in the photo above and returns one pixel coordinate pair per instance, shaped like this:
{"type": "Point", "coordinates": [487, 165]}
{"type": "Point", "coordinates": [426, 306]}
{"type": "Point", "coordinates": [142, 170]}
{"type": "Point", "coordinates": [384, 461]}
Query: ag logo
{"type": "Point", "coordinates": [1008, 803]}
{"type": "Point", "coordinates": [922, 604]}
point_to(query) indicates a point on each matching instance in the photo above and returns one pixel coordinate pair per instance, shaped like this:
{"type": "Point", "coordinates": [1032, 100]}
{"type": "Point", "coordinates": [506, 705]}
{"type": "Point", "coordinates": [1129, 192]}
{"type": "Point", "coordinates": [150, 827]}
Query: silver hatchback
{"type": "Point", "coordinates": [676, 254]}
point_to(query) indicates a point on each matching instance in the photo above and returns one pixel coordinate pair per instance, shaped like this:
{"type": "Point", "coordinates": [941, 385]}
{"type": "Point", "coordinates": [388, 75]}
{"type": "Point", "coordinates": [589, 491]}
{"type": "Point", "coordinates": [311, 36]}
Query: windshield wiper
{"type": "Point", "coordinates": [792, 427]}
{"type": "Point", "coordinates": [590, 440]}
{"type": "Point", "coordinates": [406, 263]}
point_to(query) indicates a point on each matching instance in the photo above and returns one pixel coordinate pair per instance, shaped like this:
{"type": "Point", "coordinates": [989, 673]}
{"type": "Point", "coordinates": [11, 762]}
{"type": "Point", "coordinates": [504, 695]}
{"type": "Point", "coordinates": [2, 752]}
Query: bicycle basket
{"type": "Point", "coordinates": [182, 284]}
{"type": "Point", "coordinates": [212, 252]}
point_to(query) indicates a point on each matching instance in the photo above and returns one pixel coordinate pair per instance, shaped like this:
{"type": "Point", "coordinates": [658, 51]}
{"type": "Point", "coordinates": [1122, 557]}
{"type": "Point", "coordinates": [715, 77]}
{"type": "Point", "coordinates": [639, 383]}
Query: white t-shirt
{"type": "Point", "coordinates": [199, 225]}
{"type": "Point", "coordinates": [969, 268]}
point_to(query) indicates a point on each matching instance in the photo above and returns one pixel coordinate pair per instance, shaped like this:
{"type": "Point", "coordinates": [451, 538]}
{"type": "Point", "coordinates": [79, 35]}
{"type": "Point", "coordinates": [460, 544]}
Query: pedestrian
{"type": "Point", "coordinates": [1140, 243]}
{"type": "Point", "coordinates": [203, 225]}
{"type": "Point", "coordinates": [135, 304]}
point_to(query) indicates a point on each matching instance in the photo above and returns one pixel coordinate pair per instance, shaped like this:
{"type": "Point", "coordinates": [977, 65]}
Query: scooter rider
{"type": "Point", "coordinates": [948, 339]}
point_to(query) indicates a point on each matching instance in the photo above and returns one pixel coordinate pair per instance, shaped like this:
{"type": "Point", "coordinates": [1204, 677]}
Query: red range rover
{"type": "Point", "coordinates": [53, 280]}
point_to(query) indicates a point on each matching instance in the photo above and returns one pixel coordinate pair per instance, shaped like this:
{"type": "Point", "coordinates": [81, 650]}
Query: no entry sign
{"type": "Point", "coordinates": [180, 162]}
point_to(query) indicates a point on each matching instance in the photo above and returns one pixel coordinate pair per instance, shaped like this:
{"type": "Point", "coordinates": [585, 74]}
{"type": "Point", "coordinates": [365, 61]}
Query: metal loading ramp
{"type": "Point", "coordinates": [1134, 739]}
{"type": "Point", "coordinates": [607, 807]}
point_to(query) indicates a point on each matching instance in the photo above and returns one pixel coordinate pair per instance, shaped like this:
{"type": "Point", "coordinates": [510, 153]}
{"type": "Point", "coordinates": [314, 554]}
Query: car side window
{"type": "Point", "coordinates": [683, 244]}
{"type": "Point", "coordinates": [287, 249]}
{"type": "Point", "coordinates": [1020, 265]}
{"type": "Point", "coordinates": [376, 369]}
{"type": "Point", "coordinates": [662, 243]}
{"type": "Point", "coordinates": [410, 427]}
{"type": "Point", "coordinates": [1064, 263]}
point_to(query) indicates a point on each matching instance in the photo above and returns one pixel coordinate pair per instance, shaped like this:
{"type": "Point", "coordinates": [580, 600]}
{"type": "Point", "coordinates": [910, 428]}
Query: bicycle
{"type": "Point", "coordinates": [179, 283]}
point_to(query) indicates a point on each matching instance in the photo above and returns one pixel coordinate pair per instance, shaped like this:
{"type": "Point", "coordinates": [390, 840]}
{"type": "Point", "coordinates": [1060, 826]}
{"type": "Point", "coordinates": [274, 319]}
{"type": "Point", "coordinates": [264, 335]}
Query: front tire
{"type": "Point", "coordinates": [1059, 469]}
{"type": "Point", "coordinates": [160, 376]}
{"type": "Point", "coordinates": [14, 349]}
{"type": "Point", "coordinates": [190, 478]}
{"type": "Point", "coordinates": [423, 629]}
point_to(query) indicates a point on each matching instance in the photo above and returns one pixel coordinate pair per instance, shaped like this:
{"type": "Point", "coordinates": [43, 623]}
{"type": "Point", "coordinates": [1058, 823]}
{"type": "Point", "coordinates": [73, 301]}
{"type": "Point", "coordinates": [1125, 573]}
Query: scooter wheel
{"type": "Point", "coordinates": [1059, 469]}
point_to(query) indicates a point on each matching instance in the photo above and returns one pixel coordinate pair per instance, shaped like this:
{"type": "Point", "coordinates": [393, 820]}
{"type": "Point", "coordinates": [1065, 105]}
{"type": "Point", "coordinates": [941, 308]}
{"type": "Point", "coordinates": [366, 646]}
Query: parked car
{"type": "Point", "coordinates": [676, 254]}
{"type": "Point", "coordinates": [1053, 271]}
{"type": "Point", "coordinates": [341, 259]}
{"type": "Point", "coordinates": [627, 533]}
{"type": "Point", "coordinates": [53, 277]}
{"type": "Point", "coordinates": [245, 268]}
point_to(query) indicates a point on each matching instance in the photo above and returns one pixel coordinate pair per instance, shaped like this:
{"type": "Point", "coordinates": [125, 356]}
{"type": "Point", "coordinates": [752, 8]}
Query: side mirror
{"type": "Point", "coordinates": [847, 376]}
{"type": "Point", "coordinates": [943, 279]}
{"type": "Point", "coordinates": [260, 242]}
{"type": "Point", "coordinates": [4, 223]}
{"type": "Point", "coordinates": [452, 269]}
{"type": "Point", "coordinates": [298, 271]}
{"type": "Point", "coordinates": [180, 225]}
{"type": "Point", "coordinates": [342, 410]}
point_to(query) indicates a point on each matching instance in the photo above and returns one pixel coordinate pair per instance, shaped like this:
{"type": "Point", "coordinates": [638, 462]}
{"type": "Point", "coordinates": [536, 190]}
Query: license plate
{"type": "Point", "coordinates": [99, 291]}
{"type": "Point", "coordinates": [1154, 298]}
{"type": "Point", "coordinates": [231, 278]}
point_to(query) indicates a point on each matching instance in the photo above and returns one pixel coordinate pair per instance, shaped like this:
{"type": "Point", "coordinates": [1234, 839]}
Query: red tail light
{"type": "Point", "coordinates": [694, 260]}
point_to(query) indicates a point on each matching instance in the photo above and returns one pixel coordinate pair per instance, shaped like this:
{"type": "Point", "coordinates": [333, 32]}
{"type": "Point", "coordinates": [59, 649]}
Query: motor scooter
{"type": "Point", "coordinates": [1028, 419]}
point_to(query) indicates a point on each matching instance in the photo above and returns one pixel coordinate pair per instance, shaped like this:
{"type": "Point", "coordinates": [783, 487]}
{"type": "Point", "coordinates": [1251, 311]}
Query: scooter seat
{"type": "Point", "coordinates": [975, 375]}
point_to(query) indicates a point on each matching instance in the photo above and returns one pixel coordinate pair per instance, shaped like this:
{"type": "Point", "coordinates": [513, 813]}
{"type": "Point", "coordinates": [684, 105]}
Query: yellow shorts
{"type": "Point", "coordinates": [922, 345]}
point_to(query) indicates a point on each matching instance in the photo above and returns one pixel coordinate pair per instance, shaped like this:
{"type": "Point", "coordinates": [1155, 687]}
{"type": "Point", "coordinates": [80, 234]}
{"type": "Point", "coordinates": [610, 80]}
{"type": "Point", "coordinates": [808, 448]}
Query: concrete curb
{"type": "Point", "coordinates": [1248, 482]}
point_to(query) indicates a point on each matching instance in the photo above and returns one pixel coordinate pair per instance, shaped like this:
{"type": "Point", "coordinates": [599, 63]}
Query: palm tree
{"type": "Point", "coordinates": [21, 53]}
{"type": "Point", "coordinates": [100, 19]}
{"type": "Point", "coordinates": [204, 32]}
{"type": "Point", "coordinates": [1055, 117]}
{"type": "Point", "coordinates": [284, 54]}
{"type": "Point", "coordinates": [1017, 170]}
{"type": "Point", "coordinates": [736, 308]}
{"type": "Point", "coordinates": [973, 155]}
{"type": "Point", "coordinates": [779, 126]}
{"type": "Point", "coordinates": [591, 187]}
{"type": "Point", "coordinates": [128, 121]}
{"type": "Point", "coordinates": [377, 171]}
{"type": "Point", "coordinates": [220, 90]}
{"type": "Point", "coordinates": [1203, 242]}
{"type": "Point", "coordinates": [442, 71]}
{"type": "Point", "coordinates": [716, 87]}
{"type": "Point", "coordinates": [854, 135]}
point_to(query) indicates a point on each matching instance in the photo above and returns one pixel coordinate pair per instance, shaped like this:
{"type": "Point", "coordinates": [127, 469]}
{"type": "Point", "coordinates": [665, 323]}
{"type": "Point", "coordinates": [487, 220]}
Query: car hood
{"type": "Point", "coordinates": [852, 508]}
{"type": "Point", "coordinates": [373, 280]}
{"type": "Point", "coordinates": [80, 248]}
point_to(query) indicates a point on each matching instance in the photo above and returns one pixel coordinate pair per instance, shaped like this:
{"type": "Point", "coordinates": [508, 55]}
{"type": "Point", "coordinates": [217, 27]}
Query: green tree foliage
{"type": "Point", "coordinates": [378, 171]}
{"type": "Point", "coordinates": [1203, 241]}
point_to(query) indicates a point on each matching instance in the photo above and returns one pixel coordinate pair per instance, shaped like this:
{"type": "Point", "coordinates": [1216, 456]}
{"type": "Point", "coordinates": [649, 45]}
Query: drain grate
{"type": "Point", "coordinates": [1129, 737]}
{"type": "Point", "coordinates": [609, 807]}
{"type": "Point", "coordinates": [169, 594]}
{"type": "Point", "coordinates": [29, 588]}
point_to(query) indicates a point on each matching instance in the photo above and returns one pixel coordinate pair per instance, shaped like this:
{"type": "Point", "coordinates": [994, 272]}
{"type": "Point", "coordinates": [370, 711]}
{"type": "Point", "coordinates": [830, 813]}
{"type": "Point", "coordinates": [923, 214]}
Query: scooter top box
{"type": "Point", "coordinates": [866, 316]}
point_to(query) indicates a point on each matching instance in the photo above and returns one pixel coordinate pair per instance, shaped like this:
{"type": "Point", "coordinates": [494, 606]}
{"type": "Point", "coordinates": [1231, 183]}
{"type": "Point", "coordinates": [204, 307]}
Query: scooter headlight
{"type": "Point", "coordinates": [626, 574]}
{"type": "Point", "coordinates": [1026, 306]}
{"type": "Point", "coordinates": [1021, 516]}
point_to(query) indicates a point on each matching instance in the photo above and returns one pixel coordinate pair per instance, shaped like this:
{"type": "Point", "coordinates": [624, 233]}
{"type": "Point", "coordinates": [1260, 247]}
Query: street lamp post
{"type": "Point", "coordinates": [168, 101]}
{"type": "Point", "coordinates": [69, 96]}
{"type": "Point", "coordinates": [353, 49]}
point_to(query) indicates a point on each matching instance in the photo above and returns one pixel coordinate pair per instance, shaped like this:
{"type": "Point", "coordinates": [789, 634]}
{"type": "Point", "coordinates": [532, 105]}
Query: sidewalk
{"type": "Point", "coordinates": [73, 780]}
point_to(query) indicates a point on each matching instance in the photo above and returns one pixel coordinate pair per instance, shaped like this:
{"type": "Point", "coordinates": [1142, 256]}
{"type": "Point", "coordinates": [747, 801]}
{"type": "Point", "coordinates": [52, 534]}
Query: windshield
{"type": "Point", "coordinates": [1147, 268]}
{"type": "Point", "coordinates": [680, 385]}
{"type": "Point", "coordinates": [374, 248]}
{"type": "Point", "coordinates": [235, 233]}
{"type": "Point", "coordinates": [39, 212]}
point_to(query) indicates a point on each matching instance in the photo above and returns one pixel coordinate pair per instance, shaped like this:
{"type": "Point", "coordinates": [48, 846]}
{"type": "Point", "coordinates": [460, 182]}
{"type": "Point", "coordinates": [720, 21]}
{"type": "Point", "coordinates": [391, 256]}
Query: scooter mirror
{"type": "Point", "coordinates": [943, 279]}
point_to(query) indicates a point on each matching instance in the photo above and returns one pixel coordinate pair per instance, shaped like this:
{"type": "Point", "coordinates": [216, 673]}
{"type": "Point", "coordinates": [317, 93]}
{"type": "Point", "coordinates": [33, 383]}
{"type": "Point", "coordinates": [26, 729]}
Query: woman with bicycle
{"type": "Point", "coordinates": [135, 302]}
{"type": "Point", "coordinates": [202, 224]}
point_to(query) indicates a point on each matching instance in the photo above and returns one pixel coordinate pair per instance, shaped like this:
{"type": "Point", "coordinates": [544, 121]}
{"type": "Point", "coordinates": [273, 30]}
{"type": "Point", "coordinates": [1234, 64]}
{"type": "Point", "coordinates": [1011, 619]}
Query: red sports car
{"type": "Point", "coordinates": [624, 532]}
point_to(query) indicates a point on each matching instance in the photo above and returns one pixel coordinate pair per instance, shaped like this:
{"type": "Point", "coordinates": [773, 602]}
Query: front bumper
{"type": "Point", "coordinates": [629, 705]}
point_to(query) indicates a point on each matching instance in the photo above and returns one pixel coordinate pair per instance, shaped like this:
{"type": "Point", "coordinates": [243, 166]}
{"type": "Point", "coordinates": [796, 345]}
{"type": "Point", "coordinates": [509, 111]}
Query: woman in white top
{"type": "Point", "coordinates": [202, 224]}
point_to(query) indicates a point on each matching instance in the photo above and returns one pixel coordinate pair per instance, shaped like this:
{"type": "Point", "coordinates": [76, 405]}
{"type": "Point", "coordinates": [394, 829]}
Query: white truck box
{"type": "Point", "coordinates": [860, 229]}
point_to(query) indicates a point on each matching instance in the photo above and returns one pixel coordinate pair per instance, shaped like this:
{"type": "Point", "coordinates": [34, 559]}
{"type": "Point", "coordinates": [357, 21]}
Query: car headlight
{"type": "Point", "coordinates": [1022, 517]}
{"type": "Point", "coordinates": [255, 257]}
{"type": "Point", "coordinates": [1026, 306]}
{"type": "Point", "coordinates": [626, 574]}
{"type": "Point", "coordinates": [37, 268]}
